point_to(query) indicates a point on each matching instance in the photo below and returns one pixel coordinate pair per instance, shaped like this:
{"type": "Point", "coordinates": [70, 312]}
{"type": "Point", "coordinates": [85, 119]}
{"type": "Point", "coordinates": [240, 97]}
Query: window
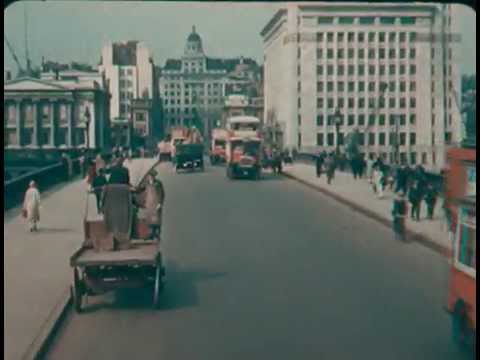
{"type": "Point", "coordinates": [320, 86]}
{"type": "Point", "coordinates": [403, 36]}
{"type": "Point", "coordinates": [413, 119]}
{"type": "Point", "coordinates": [407, 20]}
{"type": "Point", "coordinates": [330, 69]}
{"type": "Point", "coordinates": [381, 37]}
{"type": "Point", "coordinates": [381, 53]}
{"type": "Point", "coordinates": [413, 158]}
{"type": "Point", "coordinates": [319, 139]}
{"type": "Point", "coordinates": [330, 137]}
{"type": "Point", "coordinates": [391, 54]}
{"type": "Point", "coordinates": [391, 138]}
{"type": "Point", "coordinates": [392, 37]}
{"type": "Point", "coordinates": [351, 86]}
{"type": "Point", "coordinates": [325, 20]}
{"type": "Point", "coordinates": [351, 53]}
{"type": "Point", "coordinates": [361, 138]}
{"type": "Point", "coordinates": [351, 120]}
{"type": "Point", "coordinates": [344, 20]}
{"type": "Point", "coordinates": [340, 37]}
{"type": "Point", "coordinates": [361, 86]}
{"type": "Point", "coordinates": [361, 119]}
{"type": "Point", "coordinates": [329, 37]}
{"type": "Point", "coordinates": [402, 69]}
{"type": "Point", "coordinates": [413, 103]}
{"type": "Point", "coordinates": [424, 158]}
{"type": "Point", "coordinates": [330, 103]}
{"type": "Point", "coordinates": [466, 239]}
{"type": "Point", "coordinates": [371, 53]}
{"type": "Point", "coordinates": [381, 139]}
{"type": "Point", "coordinates": [371, 120]}
{"type": "Point", "coordinates": [341, 102]}
{"type": "Point", "coordinates": [361, 103]}
{"type": "Point", "coordinates": [361, 53]}
{"type": "Point", "coordinates": [413, 86]}
{"type": "Point", "coordinates": [330, 86]}
{"type": "Point", "coordinates": [371, 139]}
{"type": "Point", "coordinates": [299, 102]}
{"type": "Point", "coordinates": [351, 102]}
{"type": "Point", "coordinates": [320, 70]}
{"type": "Point", "coordinates": [319, 53]}
{"type": "Point", "coordinates": [361, 37]}
{"type": "Point", "coordinates": [433, 54]}
{"type": "Point", "coordinates": [402, 53]}
{"type": "Point", "coordinates": [382, 69]}
{"type": "Point", "coordinates": [413, 138]}
{"type": "Point", "coordinates": [413, 36]}
{"type": "Point", "coordinates": [388, 20]}
{"type": "Point", "coordinates": [391, 86]}
{"type": "Point", "coordinates": [320, 103]}
{"type": "Point", "coordinates": [371, 37]}
{"type": "Point", "coordinates": [320, 37]}
{"type": "Point", "coordinates": [413, 69]}
{"type": "Point", "coordinates": [341, 53]}
{"type": "Point", "coordinates": [391, 102]}
{"type": "Point", "coordinates": [371, 86]}
{"type": "Point", "coordinates": [413, 53]}
{"type": "Point", "coordinates": [361, 70]}
{"type": "Point", "coordinates": [329, 53]}
{"type": "Point", "coordinates": [371, 70]}
{"type": "Point", "coordinates": [369, 20]}
{"type": "Point", "coordinates": [351, 36]}
{"type": "Point", "coordinates": [319, 120]}
{"type": "Point", "coordinates": [381, 120]}
{"type": "Point", "coordinates": [341, 70]}
{"type": "Point", "coordinates": [403, 103]}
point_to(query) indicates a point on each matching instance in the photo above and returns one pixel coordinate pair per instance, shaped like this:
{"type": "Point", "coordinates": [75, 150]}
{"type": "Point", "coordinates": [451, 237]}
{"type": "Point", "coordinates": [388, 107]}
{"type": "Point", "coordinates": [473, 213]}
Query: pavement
{"type": "Point", "coordinates": [37, 272]}
{"type": "Point", "coordinates": [358, 195]}
{"type": "Point", "coordinates": [270, 269]}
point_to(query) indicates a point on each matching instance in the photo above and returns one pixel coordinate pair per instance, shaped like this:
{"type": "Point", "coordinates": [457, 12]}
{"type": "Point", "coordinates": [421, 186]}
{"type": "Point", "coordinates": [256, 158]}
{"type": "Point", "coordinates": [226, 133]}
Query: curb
{"type": "Point", "coordinates": [39, 345]}
{"type": "Point", "coordinates": [412, 235]}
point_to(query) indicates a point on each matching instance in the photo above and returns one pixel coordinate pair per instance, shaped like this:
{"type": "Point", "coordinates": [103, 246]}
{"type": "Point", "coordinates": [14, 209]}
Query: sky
{"type": "Point", "coordinates": [66, 31]}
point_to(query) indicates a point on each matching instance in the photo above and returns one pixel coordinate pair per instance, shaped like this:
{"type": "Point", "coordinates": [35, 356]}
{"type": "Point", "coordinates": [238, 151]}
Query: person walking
{"type": "Point", "coordinates": [65, 167]}
{"type": "Point", "coordinates": [361, 166]}
{"type": "Point", "coordinates": [330, 167]}
{"type": "Point", "coordinates": [399, 214]}
{"type": "Point", "coordinates": [430, 200]}
{"type": "Point", "coordinates": [98, 185]}
{"type": "Point", "coordinates": [31, 206]}
{"type": "Point", "coordinates": [378, 180]}
{"type": "Point", "coordinates": [154, 201]}
{"type": "Point", "coordinates": [99, 163]}
{"type": "Point", "coordinates": [319, 160]}
{"type": "Point", "coordinates": [369, 168]}
{"type": "Point", "coordinates": [401, 179]}
{"type": "Point", "coordinates": [119, 174]}
{"type": "Point", "coordinates": [415, 199]}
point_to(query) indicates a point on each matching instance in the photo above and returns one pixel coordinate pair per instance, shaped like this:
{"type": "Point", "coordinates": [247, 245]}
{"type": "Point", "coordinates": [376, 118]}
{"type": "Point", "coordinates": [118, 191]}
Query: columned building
{"type": "Point", "coordinates": [380, 69]}
{"type": "Point", "coordinates": [55, 115]}
{"type": "Point", "coordinates": [193, 88]}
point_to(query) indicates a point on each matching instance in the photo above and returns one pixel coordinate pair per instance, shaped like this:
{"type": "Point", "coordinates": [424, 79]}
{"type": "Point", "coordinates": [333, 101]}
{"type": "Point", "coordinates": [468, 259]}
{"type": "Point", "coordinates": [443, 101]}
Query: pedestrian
{"type": "Point", "coordinates": [401, 178]}
{"type": "Point", "coordinates": [98, 185]}
{"type": "Point", "coordinates": [119, 174]}
{"type": "Point", "coordinates": [361, 166]}
{"type": "Point", "coordinates": [65, 167]}
{"type": "Point", "coordinates": [91, 172]}
{"type": "Point", "coordinates": [330, 167]}
{"type": "Point", "coordinates": [154, 202]}
{"type": "Point", "coordinates": [31, 206]}
{"type": "Point", "coordinates": [319, 164]}
{"type": "Point", "coordinates": [378, 180]}
{"type": "Point", "coordinates": [99, 163]}
{"type": "Point", "coordinates": [399, 213]}
{"type": "Point", "coordinates": [415, 199]}
{"type": "Point", "coordinates": [294, 154]}
{"type": "Point", "coordinates": [430, 200]}
{"type": "Point", "coordinates": [369, 168]}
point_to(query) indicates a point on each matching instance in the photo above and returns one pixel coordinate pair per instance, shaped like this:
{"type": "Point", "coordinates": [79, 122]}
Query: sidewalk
{"type": "Point", "coordinates": [358, 195]}
{"type": "Point", "coordinates": [37, 271]}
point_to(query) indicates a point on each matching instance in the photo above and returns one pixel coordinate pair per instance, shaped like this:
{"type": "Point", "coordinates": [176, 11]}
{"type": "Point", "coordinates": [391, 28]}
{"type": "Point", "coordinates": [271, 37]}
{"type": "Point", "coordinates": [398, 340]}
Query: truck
{"type": "Point", "coordinates": [177, 136]}
{"type": "Point", "coordinates": [218, 145]}
{"type": "Point", "coordinates": [244, 147]}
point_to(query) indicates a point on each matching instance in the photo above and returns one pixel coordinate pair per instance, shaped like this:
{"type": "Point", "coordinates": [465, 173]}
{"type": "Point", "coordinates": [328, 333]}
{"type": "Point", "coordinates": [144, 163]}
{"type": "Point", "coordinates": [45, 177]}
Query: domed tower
{"type": "Point", "coordinates": [194, 47]}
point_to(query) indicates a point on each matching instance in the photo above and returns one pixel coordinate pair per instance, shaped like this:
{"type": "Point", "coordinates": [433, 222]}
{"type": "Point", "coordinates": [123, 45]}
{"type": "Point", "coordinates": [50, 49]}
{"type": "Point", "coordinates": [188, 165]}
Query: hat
{"type": "Point", "coordinates": [32, 183]}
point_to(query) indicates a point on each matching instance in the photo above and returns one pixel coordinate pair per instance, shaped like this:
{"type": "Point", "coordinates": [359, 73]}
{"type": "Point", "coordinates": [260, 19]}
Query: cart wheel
{"type": "Point", "coordinates": [158, 287]}
{"type": "Point", "coordinates": [76, 290]}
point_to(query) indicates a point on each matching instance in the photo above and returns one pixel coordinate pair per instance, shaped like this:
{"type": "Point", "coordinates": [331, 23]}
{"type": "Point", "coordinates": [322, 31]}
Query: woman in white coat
{"type": "Point", "coordinates": [31, 206]}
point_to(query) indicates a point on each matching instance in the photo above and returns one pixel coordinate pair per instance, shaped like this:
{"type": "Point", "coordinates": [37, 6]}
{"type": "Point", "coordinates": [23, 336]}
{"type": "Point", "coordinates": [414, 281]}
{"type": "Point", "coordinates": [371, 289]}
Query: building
{"type": "Point", "coordinates": [241, 105]}
{"type": "Point", "coordinates": [55, 115]}
{"type": "Point", "coordinates": [193, 88]}
{"type": "Point", "coordinates": [7, 75]}
{"type": "Point", "coordinates": [377, 64]}
{"type": "Point", "coordinates": [129, 69]}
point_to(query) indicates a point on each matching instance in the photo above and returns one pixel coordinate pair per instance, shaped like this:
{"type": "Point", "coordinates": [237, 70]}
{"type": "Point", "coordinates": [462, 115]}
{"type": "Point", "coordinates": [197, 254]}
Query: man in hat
{"type": "Point", "coordinates": [399, 214]}
{"type": "Point", "coordinates": [119, 174]}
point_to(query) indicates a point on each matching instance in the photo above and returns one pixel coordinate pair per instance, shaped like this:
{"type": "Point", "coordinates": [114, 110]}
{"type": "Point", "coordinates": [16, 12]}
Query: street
{"type": "Point", "coordinates": [270, 270]}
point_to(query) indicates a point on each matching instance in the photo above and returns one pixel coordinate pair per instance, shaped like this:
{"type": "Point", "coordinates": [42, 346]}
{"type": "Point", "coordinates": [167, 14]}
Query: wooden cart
{"type": "Point", "coordinates": [97, 272]}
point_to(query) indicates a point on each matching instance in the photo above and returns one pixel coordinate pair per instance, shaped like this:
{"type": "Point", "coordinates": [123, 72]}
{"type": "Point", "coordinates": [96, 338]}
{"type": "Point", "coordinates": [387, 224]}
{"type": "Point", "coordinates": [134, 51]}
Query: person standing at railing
{"type": "Point", "coordinates": [31, 206]}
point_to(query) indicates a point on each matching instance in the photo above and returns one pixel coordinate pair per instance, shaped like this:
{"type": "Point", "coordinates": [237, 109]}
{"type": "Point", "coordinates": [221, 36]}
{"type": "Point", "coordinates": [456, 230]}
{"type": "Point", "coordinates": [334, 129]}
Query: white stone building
{"type": "Point", "coordinates": [193, 88]}
{"type": "Point", "coordinates": [320, 57]}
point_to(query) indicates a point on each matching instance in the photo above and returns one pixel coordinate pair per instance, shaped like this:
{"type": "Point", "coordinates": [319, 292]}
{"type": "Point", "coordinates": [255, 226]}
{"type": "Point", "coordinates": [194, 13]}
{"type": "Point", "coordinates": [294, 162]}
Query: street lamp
{"type": "Point", "coordinates": [337, 119]}
{"type": "Point", "coordinates": [87, 125]}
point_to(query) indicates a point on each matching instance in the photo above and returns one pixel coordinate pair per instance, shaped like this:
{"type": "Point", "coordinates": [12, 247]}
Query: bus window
{"type": "Point", "coordinates": [466, 248]}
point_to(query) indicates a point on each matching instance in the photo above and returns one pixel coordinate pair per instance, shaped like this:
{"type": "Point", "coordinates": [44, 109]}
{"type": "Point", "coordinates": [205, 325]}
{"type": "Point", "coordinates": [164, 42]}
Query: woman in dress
{"type": "Point", "coordinates": [31, 206]}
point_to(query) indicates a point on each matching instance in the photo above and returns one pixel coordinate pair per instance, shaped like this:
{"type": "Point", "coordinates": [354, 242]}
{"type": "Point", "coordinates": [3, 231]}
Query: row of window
{"type": "Point", "coordinates": [372, 139]}
{"type": "Point", "coordinates": [126, 83]}
{"type": "Point", "coordinates": [45, 137]}
{"type": "Point", "coordinates": [27, 111]}
{"type": "Point", "coordinates": [366, 53]}
{"type": "Point", "coordinates": [361, 37]}
{"type": "Point", "coordinates": [366, 20]}
{"type": "Point", "coordinates": [371, 103]}
{"type": "Point", "coordinates": [361, 70]}
{"type": "Point", "coordinates": [361, 119]}
{"type": "Point", "coordinates": [361, 86]}
{"type": "Point", "coordinates": [192, 86]}
{"type": "Point", "coordinates": [124, 72]}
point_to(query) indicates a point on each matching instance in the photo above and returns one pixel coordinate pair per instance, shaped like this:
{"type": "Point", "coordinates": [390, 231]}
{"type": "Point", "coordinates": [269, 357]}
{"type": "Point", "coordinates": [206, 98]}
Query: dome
{"type": "Point", "coordinates": [194, 37]}
{"type": "Point", "coordinates": [193, 47]}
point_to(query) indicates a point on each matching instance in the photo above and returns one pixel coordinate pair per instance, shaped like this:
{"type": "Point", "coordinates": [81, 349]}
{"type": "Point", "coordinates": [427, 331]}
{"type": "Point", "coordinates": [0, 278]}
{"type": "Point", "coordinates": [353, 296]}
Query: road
{"type": "Point", "coordinates": [271, 270]}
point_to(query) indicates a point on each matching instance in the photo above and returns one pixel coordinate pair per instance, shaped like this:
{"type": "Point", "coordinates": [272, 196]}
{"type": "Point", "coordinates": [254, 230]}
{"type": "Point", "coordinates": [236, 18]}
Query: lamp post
{"type": "Point", "coordinates": [337, 119]}
{"type": "Point", "coordinates": [87, 125]}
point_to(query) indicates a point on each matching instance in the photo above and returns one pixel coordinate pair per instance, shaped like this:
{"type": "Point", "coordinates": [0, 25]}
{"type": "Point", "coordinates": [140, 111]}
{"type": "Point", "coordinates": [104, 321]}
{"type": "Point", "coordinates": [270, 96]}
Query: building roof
{"type": "Point", "coordinates": [125, 54]}
{"type": "Point", "coordinates": [227, 65]}
{"type": "Point", "coordinates": [173, 64]}
{"type": "Point", "coordinates": [32, 84]}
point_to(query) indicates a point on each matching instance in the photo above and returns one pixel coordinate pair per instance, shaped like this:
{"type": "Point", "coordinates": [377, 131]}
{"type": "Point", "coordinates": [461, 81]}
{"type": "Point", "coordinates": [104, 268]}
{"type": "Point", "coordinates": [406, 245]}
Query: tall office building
{"type": "Point", "coordinates": [382, 69]}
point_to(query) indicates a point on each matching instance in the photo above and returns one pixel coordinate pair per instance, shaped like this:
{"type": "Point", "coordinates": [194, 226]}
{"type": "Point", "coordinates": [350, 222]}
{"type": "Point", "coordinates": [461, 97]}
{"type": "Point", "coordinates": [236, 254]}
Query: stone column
{"type": "Point", "coordinates": [53, 123]}
{"type": "Point", "coordinates": [18, 121]}
{"type": "Point", "coordinates": [35, 108]}
{"type": "Point", "coordinates": [70, 112]}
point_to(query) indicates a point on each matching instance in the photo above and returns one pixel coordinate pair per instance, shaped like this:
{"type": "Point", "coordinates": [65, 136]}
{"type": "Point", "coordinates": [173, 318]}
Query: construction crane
{"type": "Point", "coordinates": [27, 56]}
{"type": "Point", "coordinates": [21, 70]}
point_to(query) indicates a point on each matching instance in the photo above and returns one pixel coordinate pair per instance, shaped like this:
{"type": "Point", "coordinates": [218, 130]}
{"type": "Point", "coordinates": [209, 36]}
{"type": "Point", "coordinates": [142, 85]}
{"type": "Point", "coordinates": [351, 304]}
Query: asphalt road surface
{"type": "Point", "coordinates": [270, 270]}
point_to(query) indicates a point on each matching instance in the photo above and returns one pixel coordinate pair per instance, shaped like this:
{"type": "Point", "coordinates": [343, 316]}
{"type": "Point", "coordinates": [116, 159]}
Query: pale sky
{"type": "Point", "coordinates": [68, 31]}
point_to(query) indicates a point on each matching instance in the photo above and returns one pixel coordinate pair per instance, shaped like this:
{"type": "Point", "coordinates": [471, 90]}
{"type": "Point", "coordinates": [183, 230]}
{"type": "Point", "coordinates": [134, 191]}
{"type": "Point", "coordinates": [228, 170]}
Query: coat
{"type": "Point", "coordinates": [31, 204]}
{"type": "Point", "coordinates": [399, 213]}
{"type": "Point", "coordinates": [119, 175]}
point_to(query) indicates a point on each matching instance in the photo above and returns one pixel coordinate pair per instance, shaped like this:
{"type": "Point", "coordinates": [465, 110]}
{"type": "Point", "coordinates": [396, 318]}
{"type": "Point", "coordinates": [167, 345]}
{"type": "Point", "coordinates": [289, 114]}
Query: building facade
{"type": "Point", "coordinates": [56, 115]}
{"type": "Point", "coordinates": [382, 68]}
{"type": "Point", "coordinates": [130, 72]}
{"type": "Point", "coordinates": [193, 88]}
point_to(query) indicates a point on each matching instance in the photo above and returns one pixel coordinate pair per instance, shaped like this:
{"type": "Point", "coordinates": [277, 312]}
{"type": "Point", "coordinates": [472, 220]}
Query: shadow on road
{"type": "Point", "coordinates": [180, 291]}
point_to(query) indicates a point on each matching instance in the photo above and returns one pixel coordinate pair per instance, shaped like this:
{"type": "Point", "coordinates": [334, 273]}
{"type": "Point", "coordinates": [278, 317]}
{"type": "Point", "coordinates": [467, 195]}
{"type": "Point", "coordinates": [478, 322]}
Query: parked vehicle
{"type": "Point", "coordinates": [244, 147]}
{"type": "Point", "coordinates": [219, 141]}
{"type": "Point", "coordinates": [460, 195]}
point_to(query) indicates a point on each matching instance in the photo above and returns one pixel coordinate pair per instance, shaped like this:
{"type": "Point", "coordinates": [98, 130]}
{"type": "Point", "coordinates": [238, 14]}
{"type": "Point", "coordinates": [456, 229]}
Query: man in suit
{"type": "Point", "coordinates": [119, 174]}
